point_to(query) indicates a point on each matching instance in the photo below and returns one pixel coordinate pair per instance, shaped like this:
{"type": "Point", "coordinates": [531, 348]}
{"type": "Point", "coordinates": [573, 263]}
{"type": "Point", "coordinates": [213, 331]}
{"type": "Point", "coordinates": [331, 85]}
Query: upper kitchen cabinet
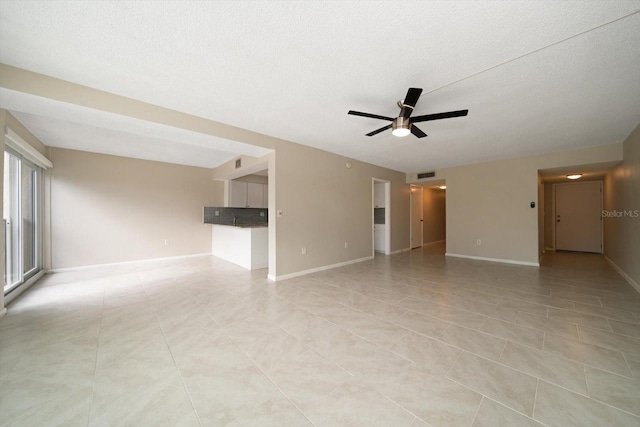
{"type": "Point", "coordinates": [378, 195]}
{"type": "Point", "coordinates": [254, 195]}
{"type": "Point", "coordinates": [247, 194]}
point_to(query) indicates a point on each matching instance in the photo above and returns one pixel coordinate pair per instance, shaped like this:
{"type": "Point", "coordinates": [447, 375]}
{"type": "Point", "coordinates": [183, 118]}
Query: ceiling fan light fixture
{"type": "Point", "coordinates": [574, 176]}
{"type": "Point", "coordinates": [401, 127]}
{"type": "Point", "coordinates": [403, 124]}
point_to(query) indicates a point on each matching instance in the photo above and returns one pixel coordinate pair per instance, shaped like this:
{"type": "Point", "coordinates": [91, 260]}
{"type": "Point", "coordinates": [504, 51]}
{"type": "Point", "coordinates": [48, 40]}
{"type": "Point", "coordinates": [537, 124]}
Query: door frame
{"type": "Point", "coordinates": [555, 246]}
{"type": "Point", "coordinates": [387, 214]}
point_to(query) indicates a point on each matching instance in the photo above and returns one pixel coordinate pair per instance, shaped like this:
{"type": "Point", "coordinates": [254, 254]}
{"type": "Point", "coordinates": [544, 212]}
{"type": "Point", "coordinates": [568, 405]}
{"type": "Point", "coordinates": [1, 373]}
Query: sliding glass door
{"type": "Point", "coordinates": [22, 220]}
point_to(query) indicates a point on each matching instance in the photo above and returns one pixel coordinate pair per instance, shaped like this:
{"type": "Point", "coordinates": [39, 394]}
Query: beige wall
{"type": "Point", "coordinates": [490, 202]}
{"type": "Point", "coordinates": [107, 209]}
{"type": "Point", "coordinates": [622, 193]}
{"type": "Point", "coordinates": [324, 204]}
{"type": "Point", "coordinates": [434, 214]}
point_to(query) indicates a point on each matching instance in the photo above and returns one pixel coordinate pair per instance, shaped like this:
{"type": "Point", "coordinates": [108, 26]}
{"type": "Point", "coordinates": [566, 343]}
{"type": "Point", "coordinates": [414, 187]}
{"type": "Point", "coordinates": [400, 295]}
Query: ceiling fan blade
{"type": "Point", "coordinates": [438, 116]}
{"type": "Point", "coordinates": [413, 94]}
{"type": "Point", "coordinates": [377, 131]}
{"type": "Point", "coordinates": [373, 116]}
{"type": "Point", "coordinates": [417, 132]}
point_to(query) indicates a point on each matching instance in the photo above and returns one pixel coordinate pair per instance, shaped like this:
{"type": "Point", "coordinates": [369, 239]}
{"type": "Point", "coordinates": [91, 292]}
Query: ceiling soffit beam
{"type": "Point", "coordinates": [20, 80]}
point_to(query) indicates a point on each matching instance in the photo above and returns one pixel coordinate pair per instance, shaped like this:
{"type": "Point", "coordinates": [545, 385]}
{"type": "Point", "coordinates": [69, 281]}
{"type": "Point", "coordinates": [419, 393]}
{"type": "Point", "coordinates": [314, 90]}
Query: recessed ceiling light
{"type": "Point", "coordinates": [443, 187]}
{"type": "Point", "coordinates": [574, 176]}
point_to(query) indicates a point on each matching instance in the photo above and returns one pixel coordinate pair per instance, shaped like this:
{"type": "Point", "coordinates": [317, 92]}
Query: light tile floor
{"type": "Point", "coordinates": [413, 339]}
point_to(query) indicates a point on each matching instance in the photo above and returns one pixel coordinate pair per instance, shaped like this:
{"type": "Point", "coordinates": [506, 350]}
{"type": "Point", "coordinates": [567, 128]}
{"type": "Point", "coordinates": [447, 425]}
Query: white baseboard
{"type": "Point", "coordinates": [504, 261]}
{"type": "Point", "coordinates": [628, 278]}
{"type": "Point", "coordinates": [315, 270]}
{"type": "Point", "coordinates": [433, 243]}
{"type": "Point", "coordinates": [399, 251]}
{"type": "Point", "coordinates": [113, 264]}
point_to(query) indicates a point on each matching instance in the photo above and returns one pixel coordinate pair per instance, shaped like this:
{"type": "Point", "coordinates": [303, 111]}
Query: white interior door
{"type": "Point", "coordinates": [416, 217]}
{"type": "Point", "coordinates": [579, 216]}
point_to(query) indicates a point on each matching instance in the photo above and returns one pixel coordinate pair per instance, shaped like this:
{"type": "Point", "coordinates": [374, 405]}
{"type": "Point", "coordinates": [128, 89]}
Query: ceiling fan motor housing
{"type": "Point", "coordinates": [401, 126]}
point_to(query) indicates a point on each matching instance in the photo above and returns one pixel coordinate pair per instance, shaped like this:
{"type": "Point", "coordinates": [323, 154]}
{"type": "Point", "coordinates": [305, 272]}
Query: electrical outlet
{"type": "Point", "coordinates": [478, 242]}
{"type": "Point", "coordinates": [166, 242]}
{"type": "Point", "coordinates": [345, 245]}
{"type": "Point", "coordinates": [303, 251]}
{"type": "Point", "coordinates": [280, 213]}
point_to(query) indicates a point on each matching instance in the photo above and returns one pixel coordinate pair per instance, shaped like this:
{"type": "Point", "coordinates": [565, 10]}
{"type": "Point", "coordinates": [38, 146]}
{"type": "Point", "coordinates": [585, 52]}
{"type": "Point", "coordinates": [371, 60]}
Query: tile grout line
{"type": "Point", "coordinates": [535, 399]}
{"type": "Point", "coordinates": [274, 383]}
{"type": "Point", "coordinates": [502, 351]}
{"type": "Point", "coordinates": [358, 377]}
{"type": "Point", "coordinates": [598, 400]}
{"type": "Point", "coordinates": [475, 415]}
{"type": "Point", "coordinates": [309, 348]}
{"type": "Point", "coordinates": [586, 379]}
{"type": "Point", "coordinates": [352, 333]}
{"type": "Point", "coordinates": [95, 369]}
{"type": "Point", "coordinates": [538, 379]}
{"type": "Point", "coordinates": [589, 364]}
{"type": "Point", "coordinates": [175, 364]}
{"type": "Point", "coordinates": [449, 324]}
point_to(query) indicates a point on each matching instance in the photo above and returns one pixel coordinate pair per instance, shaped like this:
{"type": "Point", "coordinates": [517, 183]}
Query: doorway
{"type": "Point", "coordinates": [434, 224]}
{"type": "Point", "coordinates": [381, 216]}
{"type": "Point", "coordinates": [416, 217]}
{"type": "Point", "coordinates": [578, 216]}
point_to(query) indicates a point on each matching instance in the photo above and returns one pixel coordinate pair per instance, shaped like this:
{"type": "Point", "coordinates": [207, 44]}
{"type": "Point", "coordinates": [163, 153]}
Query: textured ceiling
{"type": "Point", "coordinates": [536, 76]}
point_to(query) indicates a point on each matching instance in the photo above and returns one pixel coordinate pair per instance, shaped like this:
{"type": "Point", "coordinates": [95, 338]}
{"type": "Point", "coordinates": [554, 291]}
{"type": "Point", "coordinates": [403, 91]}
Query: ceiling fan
{"type": "Point", "coordinates": [403, 125]}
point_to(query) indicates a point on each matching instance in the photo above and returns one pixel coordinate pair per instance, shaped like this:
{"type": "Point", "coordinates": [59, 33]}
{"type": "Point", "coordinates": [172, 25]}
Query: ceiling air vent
{"type": "Point", "coordinates": [426, 175]}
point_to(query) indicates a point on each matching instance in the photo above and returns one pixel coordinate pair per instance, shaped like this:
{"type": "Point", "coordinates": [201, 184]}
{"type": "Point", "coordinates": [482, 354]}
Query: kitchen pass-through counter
{"type": "Point", "coordinates": [239, 235]}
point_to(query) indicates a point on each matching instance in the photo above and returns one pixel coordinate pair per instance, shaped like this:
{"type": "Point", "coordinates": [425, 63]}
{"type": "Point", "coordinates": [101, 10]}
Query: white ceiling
{"type": "Point", "coordinates": [536, 76]}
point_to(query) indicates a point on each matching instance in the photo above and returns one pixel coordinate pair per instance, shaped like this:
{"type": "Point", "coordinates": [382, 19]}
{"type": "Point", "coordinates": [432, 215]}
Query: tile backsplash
{"type": "Point", "coordinates": [378, 215]}
{"type": "Point", "coordinates": [245, 216]}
